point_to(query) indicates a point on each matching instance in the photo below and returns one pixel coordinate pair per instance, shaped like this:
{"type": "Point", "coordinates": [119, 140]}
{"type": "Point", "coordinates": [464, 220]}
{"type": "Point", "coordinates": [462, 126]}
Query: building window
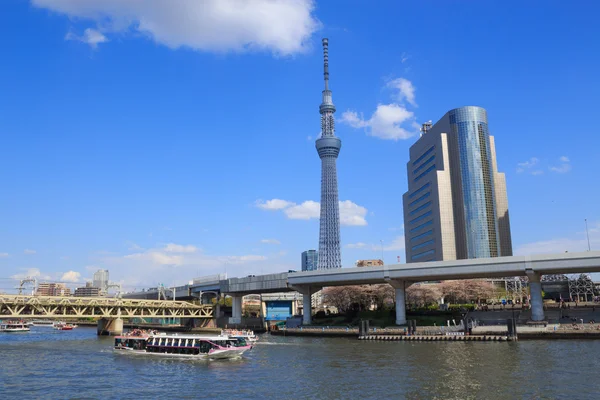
{"type": "Point", "coordinates": [421, 207]}
{"type": "Point", "coordinates": [419, 227]}
{"type": "Point", "coordinates": [426, 195]}
{"type": "Point", "coordinates": [421, 245]}
{"type": "Point", "coordinates": [430, 159]}
{"type": "Point", "coordinates": [420, 217]}
{"type": "Point", "coordinates": [423, 155]}
{"type": "Point", "coordinates": [423, 254]}
{"type": "Point", "coordinates": [425, 173]}
{"type": "Point", "coordinates": [422, 235]}
{"type": "Point", "coordinates": [419, 190]}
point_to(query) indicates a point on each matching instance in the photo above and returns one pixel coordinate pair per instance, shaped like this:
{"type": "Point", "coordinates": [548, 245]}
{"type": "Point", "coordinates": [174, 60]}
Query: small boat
{"type": "Point", "coordinates": [14, 326]}
{"type": "Point", "coordinates": [246, 334]}
{"type": "Point", "coordinates": [63, 326]}
{"type": "Point", "coordinates": [183, 346]}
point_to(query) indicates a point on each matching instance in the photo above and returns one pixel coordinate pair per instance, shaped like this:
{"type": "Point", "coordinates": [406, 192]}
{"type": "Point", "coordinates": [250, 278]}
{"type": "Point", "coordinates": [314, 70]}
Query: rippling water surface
{"type": "Point", "coordinates": [50, 364]}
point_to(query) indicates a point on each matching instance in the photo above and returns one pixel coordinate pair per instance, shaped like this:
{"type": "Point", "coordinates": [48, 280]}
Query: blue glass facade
{"type": "Point", "coordinates": [309, 260]}
{"type": "Point", "coordinates": [470, 128]}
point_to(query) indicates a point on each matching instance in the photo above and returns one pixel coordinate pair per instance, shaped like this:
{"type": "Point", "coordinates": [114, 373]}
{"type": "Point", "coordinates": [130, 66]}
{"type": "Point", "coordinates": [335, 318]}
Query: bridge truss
{"type": "Point", "coordinates": [17, 306]}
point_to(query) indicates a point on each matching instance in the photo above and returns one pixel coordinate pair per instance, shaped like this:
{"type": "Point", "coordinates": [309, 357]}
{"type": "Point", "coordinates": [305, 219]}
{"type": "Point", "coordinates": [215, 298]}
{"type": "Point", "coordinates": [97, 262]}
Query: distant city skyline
{"type": "Point", "coordinates": [456, 205]}
{"type": "Point", "coordinates": [185, 146]}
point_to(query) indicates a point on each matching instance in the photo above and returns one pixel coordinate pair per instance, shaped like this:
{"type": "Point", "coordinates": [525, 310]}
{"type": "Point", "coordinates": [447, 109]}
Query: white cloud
{"type": "Point", "coordinates": [178, 248]}
{"type": "Point", "coordinates": [389, 121]}
{"type": "Point", "coordinates": [2, 255]}
{"type": "Point", "coordinates": [29, 251]}
{"type": "Point", "coordinates": [351, 214]}
{"type": "Point", "coordinates": [270, 241]}
{"type": "Point", "coordinates": [307, 210]}
{"type": "Point", "coordinates": [562, 168]}
{"type": "Point", "coordinates": [90, 36]}
{"type": "Point", "coordinates": [71, 276]}
{"type": "Point", "coordinates": [280, 26]}
{"type": "Point", "coordinates": [359, 245]}
{"type": "Point", "coordinates": [406, 90]}
{"type": "Point", "coordinates": [275, 204]}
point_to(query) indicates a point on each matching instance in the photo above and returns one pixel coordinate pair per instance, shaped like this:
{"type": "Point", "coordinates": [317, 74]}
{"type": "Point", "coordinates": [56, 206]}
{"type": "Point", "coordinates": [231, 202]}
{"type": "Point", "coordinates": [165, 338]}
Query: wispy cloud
{"type": "Point", "coordinates": [562, 168]}
{"type": "Point", "coordinates": [29, 251]}
{"type": "Point", "coordinates": [396, 244]}
{"type": "Point", "coordinates": [92, 37]}
{"type": "Point", "coordinates": [529, 166]}
{"type": "Point", "coordinates": [270, 241]}
{"type": "Point", "coordinates": [3, 255]}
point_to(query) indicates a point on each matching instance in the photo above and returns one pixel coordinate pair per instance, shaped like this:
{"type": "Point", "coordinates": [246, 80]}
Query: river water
{"type": "Point", "coordinates": [77, 364]}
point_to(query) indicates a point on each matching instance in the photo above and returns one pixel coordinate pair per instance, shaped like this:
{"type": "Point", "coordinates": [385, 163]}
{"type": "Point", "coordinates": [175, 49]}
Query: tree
{"type": "Point", "coordinates": [423, 295]}
{"type": "Point", "coordinates": [467, 290]}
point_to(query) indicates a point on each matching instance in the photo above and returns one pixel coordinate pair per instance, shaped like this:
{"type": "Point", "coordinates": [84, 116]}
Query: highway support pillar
{"type": "Point", "coordinates": [535, 291]}
{"type": "Point", "coordinates": [110, 326]}
{"type": "Point", "coordinates": [236, 308]}
{"type": "Point", "coordinates": [400, 286]}
{"type": "Point", "coordinates": [307, 292]}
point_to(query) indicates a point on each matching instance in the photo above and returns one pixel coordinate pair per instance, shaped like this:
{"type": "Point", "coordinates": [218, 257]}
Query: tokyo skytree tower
{"type": "Point", "coordinates": [328, 147]}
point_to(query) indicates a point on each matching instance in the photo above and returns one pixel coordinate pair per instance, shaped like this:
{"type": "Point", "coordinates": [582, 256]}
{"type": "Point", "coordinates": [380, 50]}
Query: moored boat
{"type": "Point", "coordinates": [14, 326]}
{"type": "Point", "coordinates": [246, 334]}
{"type": "Point", "coordinates": [183, 346]}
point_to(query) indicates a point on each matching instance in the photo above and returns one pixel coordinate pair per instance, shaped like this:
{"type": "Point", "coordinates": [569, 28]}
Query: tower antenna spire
{"type": "Point", "coordinates": [326, 62]}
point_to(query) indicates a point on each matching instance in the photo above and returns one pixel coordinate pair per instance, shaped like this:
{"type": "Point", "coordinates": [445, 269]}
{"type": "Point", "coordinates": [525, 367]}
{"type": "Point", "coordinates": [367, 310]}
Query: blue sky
{"type": "Point", "coordinates": [152, 138]}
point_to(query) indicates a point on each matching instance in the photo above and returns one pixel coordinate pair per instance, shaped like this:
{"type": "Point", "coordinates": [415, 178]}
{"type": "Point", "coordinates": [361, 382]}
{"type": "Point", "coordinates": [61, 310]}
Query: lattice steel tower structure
{"type": "Point", "coordinates": [328, 147]}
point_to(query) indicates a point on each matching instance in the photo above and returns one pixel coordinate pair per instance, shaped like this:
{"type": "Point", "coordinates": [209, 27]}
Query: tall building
{"type": "Point", "coordinates": [310, 260]}
{"type": "Point", "coordinates": [456, 205]}
{"type": "Point", "coordinates": [100, 280]}
{"type": "Point", "coordinates": [328, 146]}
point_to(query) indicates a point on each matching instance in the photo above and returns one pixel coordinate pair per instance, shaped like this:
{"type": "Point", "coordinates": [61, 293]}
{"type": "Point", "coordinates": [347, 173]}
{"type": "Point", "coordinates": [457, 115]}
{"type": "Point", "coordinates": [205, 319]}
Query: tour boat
{"type": "Point", "coordinates": [183, 346]}
{"type": "Point", "coordinates": [245, 334]}
{"type": "Point", "coordinates": [12, 326]}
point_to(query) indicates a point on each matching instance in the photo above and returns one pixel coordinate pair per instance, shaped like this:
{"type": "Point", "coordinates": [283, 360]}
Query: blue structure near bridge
{"type": "Point", "coordinates": [278, 310]}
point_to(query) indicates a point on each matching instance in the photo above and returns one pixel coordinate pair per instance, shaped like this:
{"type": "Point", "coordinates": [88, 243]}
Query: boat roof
{"type": "Point", "coordinates": [172, 336]}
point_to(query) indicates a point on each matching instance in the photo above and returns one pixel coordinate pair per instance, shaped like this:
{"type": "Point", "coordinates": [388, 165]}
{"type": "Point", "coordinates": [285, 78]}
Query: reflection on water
{"type": "Point", "coordinates": [77, 364]}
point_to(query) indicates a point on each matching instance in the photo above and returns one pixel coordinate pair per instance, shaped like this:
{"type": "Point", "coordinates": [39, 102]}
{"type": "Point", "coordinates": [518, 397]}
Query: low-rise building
{"type": "Point", "coordinates": [369, 263]}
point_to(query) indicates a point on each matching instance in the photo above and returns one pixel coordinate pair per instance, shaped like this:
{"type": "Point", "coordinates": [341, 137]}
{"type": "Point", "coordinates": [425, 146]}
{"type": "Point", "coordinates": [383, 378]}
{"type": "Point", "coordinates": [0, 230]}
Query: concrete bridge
{"type": "Point", "coordinates": [401, 276]}
{"type": "Point", "coordinates": [108, 311]}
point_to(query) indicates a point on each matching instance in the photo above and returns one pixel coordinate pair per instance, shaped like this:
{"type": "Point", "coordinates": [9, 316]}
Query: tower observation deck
{"type": "Point", "coordinates": [328, 146]}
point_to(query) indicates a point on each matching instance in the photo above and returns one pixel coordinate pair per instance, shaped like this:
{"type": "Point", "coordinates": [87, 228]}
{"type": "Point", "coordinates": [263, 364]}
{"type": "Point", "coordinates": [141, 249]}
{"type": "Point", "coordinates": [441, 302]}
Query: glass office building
{"type": "Point", "coordinates": [309, 260]}
{"type": "Point", "coordinates": [456, 205]}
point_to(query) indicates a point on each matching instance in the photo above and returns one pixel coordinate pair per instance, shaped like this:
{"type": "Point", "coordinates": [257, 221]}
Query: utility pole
{"type": "Point", "coordinates": [588, 235]}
